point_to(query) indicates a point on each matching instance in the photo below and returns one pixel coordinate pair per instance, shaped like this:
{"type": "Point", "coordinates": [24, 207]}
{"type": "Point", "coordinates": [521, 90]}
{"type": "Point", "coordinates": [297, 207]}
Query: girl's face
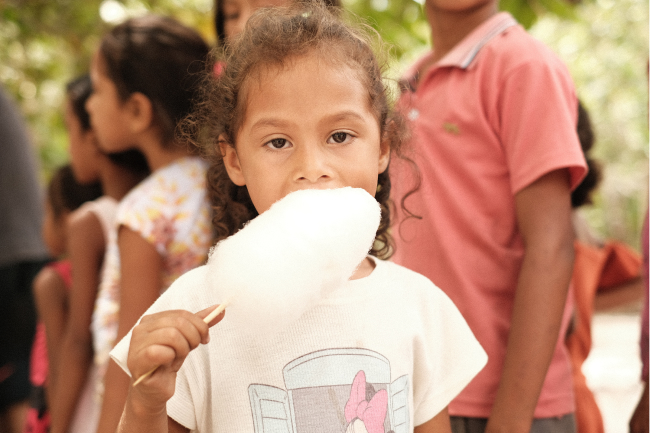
{"type": "Point", "coordinates": [106, 109]}
{"type": "Point", "coordinates": [308, 125]}
{"type": "Point", "coordinates": [84, 155]}
{"type": "Point", "coordinates": [53, 231]}
{"type": "Point", "coordinates": [237, 12]}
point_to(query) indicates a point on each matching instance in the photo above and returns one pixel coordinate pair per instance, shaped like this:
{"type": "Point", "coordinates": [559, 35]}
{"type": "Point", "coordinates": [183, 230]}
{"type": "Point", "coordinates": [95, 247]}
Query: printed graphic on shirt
{"type": "Point", "coordinates": [333, 391]}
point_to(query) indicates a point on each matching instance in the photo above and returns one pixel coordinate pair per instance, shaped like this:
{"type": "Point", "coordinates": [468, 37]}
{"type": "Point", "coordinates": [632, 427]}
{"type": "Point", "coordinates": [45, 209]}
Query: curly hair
{"type": "Point", "coordinates": [272, 38]}
{"type": "Point", "coordinates": [219, 18]}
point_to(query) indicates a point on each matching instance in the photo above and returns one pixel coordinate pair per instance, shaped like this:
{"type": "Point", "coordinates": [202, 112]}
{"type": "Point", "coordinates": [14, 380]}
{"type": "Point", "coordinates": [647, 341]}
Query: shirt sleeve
{"type": "Point", "coordinates": [538, 119]}
{"type": "Point", "coordinates": [447, 357]}
{"type": "Point", "coordinates": [149, 213]}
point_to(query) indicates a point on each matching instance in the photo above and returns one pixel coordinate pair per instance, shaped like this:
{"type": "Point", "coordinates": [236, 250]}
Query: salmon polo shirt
{"type": "Point", "coordinates": [495, 114]}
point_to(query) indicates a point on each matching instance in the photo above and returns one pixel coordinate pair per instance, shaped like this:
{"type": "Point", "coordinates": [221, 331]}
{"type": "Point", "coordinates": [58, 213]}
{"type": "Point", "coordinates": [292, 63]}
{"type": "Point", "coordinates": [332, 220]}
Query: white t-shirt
{"type": "Point", "coordinates": [386, 352]}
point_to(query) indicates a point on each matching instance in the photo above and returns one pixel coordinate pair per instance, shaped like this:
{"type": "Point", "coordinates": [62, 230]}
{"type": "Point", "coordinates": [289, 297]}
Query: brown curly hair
{"type": "Point", "coordinates": [273, 37]}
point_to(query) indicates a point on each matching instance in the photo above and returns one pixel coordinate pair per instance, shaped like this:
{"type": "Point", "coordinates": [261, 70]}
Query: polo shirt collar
{"type": "Point", "coordinates": [462, 55]}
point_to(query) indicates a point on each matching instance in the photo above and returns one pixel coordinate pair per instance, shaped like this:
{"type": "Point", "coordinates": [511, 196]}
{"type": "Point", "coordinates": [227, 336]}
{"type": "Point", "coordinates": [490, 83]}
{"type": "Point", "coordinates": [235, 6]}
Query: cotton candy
{"type": "Point", "coordinates": [287, 259]}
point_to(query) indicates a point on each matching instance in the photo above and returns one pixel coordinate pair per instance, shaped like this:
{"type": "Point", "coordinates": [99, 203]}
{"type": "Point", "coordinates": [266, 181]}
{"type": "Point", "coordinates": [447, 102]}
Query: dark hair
{"type": "Point", "coordinates": [160, 58]}
{"type": "Point", "coordinates": [65, 194]}
{"type": "Point", "coordinates": [219, 21]}
{"type": "Point", "coordinates": [78, 91]}
{"type": "Point", "coordinates": [132, 160]}
{"type": "Point", "coordinates": [582, 194]}
{"type": "Point", "coordinates": [272, 37]}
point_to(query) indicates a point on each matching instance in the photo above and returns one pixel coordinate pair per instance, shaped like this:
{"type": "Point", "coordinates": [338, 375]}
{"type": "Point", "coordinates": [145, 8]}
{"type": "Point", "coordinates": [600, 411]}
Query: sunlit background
{"type": "Point", "coordinates": [605, 43]}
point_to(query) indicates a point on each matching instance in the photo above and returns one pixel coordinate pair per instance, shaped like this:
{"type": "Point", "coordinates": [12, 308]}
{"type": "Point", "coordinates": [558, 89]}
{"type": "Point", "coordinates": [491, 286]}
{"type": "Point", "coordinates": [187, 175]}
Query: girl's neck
{"type": "Point", "coordinates": [117, 181]}
{"type": "Point", "coordinates": [365, 269]}
{"type": "Point", "coordinates": [159, 155]}
{"type": "Point", "coordinates": [448, 28]}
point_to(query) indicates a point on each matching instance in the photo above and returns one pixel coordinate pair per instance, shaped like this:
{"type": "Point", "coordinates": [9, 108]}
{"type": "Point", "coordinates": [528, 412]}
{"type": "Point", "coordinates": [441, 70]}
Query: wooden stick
{"type": "Point", "coordinates": [207, 319]}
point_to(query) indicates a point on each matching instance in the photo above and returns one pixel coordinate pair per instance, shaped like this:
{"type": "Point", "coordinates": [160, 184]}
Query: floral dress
{"type": "Point", "coordinates": [171, 211]}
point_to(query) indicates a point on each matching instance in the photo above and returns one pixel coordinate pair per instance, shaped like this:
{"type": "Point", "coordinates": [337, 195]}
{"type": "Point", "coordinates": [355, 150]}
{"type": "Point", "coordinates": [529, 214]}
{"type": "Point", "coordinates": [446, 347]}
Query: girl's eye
{"type": "Point", "coordinates": [278, 143]}
{"type": "Point", "coordinates": [340, 137]}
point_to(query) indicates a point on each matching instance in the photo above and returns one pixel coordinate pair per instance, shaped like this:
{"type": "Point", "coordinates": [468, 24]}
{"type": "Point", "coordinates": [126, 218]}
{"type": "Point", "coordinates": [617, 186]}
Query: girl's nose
{"type": "Point", "coordinates": [312, 165]}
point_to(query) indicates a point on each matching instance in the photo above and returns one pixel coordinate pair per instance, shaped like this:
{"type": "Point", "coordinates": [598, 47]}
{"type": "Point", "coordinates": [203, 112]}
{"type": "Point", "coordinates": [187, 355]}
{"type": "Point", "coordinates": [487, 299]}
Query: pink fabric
{"type": "Point", "coordinates": [38, 365]}
{"type": "Point", "coordinates": [482, 131]}
{"type": "Point", "coordinates": [34, 424]}
{"type": "Point", "coordinates": [644, 316]}
{"type": "Point", "coordinates": [373, 412]}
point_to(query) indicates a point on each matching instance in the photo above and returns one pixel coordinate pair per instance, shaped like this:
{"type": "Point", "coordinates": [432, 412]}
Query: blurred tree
{"type": "Point", "coordinates": [45, 43]}
{"type": "Point", "coordinates": [606, 49]}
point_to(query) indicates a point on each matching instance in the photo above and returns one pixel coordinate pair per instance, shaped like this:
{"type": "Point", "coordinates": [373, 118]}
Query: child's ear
{"type": "Point", "coordinates": [384, 148]}
{"type": "Point", "coordinates": [231, 162]}
{"type": "Point", "coordinates": [140, 112]}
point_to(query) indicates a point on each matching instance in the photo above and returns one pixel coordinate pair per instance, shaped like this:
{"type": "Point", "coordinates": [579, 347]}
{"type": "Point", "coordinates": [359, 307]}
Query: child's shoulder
{"type": "Point", "coordinates": [398, 273]}
{"type": "Point", "coordinates": [54, 274]}
{"type": "Point", "coordinates": [181, 182]}
{"type": "Point", "coordinates": [403, 283]}
{"type": "Point", "coordinates": [516, 47]}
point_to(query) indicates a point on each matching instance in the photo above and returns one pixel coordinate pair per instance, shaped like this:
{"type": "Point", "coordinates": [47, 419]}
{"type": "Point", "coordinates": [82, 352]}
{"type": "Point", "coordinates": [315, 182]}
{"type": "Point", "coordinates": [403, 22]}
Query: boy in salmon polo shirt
{"type": "Point", "coordinates": [493, 115]}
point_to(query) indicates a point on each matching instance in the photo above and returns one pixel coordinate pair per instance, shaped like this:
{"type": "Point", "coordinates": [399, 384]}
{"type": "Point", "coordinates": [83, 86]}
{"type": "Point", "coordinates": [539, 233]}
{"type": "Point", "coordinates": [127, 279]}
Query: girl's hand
{"type": "Point", "coordinates": [164, 340]}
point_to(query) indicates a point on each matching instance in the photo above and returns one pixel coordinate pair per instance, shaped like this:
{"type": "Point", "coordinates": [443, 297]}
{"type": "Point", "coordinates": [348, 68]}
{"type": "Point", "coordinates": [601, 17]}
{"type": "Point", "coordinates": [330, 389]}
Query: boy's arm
{"type": "Point", "coordinates": [544, 218]}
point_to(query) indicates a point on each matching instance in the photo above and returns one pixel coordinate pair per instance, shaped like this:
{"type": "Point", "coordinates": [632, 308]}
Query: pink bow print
{"type": "Point", "coordinates": [372, 413]}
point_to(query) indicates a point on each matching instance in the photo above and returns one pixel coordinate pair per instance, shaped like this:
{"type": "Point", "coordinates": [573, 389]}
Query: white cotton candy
{"type": "Point", "coordinates": [285, 260]}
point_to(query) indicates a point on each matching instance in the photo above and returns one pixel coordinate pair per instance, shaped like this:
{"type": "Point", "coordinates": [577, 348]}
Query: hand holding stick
{"type": "Point", "coordinates": [207, 319]}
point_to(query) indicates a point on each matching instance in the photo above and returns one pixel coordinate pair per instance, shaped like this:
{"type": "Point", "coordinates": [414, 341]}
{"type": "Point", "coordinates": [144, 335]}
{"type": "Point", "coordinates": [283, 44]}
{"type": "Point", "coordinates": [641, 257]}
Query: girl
{"type": "Point", "coordinates": [88, 228]}
{"type": "Point", "coordinates": [301, 104]}
{"type": "Point", "coordinates": [143, 78]}
{"type": "Point", "coordinates": [230, 16]}
{"type": "Point", "coordinates": [51, 286]}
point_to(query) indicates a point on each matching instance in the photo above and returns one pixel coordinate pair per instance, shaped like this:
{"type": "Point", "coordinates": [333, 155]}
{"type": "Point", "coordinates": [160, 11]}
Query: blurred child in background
{"type": "Point", "coordinates": [88, 233]}
{"type": "Point", "coordinates": [144, 78]}
{"type": "Point", "coordinates": [22, 256]}
{"type": "Point", "coordinates": [51, 286]}
{"type": "Point", "coordinates": [230, 16]}
{"type": "Point", "coordinates": [493, 115]}
{"type": "Point", "coordinates": [606, 275]}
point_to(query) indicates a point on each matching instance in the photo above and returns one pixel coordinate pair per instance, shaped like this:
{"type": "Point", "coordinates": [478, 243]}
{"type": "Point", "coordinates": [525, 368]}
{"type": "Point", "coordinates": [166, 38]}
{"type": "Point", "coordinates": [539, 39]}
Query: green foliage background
{"type": "Point", "coordinates": [45, 43]}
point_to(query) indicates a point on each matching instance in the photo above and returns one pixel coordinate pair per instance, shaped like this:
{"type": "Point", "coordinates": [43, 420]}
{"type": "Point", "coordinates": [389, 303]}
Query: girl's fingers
{"type": "Point", "coordinates": [175, 318]}
{"type": "Point", "coordinates": [165, 339]}
{"type": "Point", "coordinates": [204, 313]}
